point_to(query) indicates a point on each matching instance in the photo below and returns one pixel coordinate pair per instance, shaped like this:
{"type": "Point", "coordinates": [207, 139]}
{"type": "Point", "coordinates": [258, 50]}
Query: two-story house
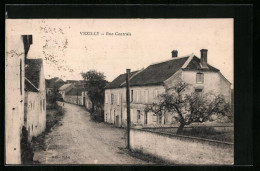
{"type": "Point", "coordinates": [147, 84]}
{"type": "Point", "coordinates": [17, 47]}
{"type": "Point", "coordinates": [35, 97]}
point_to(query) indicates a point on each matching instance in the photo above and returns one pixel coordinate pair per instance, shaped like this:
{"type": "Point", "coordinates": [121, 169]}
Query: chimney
{"type": "Point", "coordinates": [174, 53]}
{"type": "Point", "coordinates": [203, 58]}
{"type": "Point", "coordinates": [27, 41]}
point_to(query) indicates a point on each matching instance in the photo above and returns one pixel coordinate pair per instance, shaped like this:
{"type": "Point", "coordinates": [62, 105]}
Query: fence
{"type": "Point", "coordinates": [177, 149]}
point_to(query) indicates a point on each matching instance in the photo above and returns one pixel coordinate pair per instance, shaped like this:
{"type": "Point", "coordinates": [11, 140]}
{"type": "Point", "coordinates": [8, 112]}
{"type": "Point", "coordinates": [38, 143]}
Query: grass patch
{"type": "Point", "coordinates": [53, 117]}
{"type": "Point", "coordinates": [202, 132]}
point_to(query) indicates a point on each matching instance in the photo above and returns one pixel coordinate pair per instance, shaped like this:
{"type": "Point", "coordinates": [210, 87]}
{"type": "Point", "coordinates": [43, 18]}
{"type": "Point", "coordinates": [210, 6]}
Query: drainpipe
{"type": "Point", "coordinates": [128, 107]}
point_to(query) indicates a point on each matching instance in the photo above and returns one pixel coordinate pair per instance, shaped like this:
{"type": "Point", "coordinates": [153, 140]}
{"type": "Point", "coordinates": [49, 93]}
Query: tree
{"type": "Point", "coordinates": [95, 86]}
{"type": "Point", "coordinates": [188, 107]}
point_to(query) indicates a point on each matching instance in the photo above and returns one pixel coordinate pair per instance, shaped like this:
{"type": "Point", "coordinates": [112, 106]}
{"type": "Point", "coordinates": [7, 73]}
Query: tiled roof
{"type": "Point", "coordinates": [54, 82]}
{"type": "Point", "coordinates": [32, 73]}
{"type": "Point", "coordinates": [64, 87]}
{"type": "Point", "coordinates": [119, 80]}
{"type": "Point", "coordinates": [155, 74]}
{"type": "Point", "coordinates": [194, 64]}
{"type": "Point", "coordinates": [75, 91]}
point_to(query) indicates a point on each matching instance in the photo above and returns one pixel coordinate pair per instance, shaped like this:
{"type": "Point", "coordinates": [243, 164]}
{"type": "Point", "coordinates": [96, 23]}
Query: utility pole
{"type": "Point", "coordinates": [128, 107]}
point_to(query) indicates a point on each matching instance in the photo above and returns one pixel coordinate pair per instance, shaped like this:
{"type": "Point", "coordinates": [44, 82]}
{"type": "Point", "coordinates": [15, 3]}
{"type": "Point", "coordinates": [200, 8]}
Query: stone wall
{"type": "Point", "coordinates": [182, 149]}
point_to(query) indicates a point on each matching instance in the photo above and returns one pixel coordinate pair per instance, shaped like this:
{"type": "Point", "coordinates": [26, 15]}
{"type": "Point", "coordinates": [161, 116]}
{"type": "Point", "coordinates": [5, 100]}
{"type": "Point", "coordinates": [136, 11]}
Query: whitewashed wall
{"type": "Point", "coordinates": [14, 98]}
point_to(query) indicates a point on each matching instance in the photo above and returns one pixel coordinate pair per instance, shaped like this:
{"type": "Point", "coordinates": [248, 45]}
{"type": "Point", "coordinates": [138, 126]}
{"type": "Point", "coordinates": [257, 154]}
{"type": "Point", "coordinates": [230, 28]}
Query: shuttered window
{"type": "Point", "coordinates": [200, 77]}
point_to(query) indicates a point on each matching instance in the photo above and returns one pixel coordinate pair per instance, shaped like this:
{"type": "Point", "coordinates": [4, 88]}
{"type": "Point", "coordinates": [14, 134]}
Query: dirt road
{"type": "Point", "coordinates": [81, 141]}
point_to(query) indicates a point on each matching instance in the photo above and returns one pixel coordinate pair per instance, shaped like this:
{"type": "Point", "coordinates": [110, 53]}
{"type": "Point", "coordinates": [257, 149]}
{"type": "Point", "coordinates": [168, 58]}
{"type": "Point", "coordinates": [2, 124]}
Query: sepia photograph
{"type": "Point", "coordinates": [119, 91]}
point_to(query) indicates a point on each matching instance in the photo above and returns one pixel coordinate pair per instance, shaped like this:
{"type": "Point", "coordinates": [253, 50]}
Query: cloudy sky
{"type": "Point", "coordinates": [67, 50]}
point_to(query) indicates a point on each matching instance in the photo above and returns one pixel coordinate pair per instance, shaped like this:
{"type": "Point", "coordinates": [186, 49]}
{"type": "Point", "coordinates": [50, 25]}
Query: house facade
{"type": "Point", "coordinates": [17, 47]}
{"type": "Point", "coordinates": [77, 94]}
{"type": "Point", "coordinates": [147, 84]}
{"type": "Point", "coordinates": [35, 97]}
{"type": "Point", "coordinates": [74, 96]}
{"type": "Point", "coordinates": [64, 89]}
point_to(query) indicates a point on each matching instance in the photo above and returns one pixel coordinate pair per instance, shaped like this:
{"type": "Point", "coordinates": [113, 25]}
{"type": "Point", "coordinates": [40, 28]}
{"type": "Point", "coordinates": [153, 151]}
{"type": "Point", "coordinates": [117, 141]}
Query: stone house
{"type": "Point", "coordinates": [17, 47]}
{"type": "Point", "coordinates": [74, 96]}
{"type": "Point", "coordinates": [148, 83]}
{"type": "Point", "coordinates": [64, 89]}
{"type": "Point", "coordinates": [35, 97]}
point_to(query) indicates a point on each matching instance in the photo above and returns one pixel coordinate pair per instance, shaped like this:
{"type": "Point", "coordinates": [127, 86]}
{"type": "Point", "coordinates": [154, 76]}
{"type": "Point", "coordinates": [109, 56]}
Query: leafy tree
{"type": "Point", "coordinates": [188, 107]}
{"type": "Point", "coordinates": [95, 86]}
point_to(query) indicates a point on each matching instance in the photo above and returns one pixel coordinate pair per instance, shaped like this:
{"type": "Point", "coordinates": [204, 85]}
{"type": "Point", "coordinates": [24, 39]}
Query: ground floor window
{"type": "Point", "coordinates": [138, 116]}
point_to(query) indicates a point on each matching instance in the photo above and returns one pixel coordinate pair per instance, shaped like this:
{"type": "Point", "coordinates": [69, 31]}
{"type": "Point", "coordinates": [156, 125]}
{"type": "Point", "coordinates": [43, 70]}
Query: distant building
{"type": "Point", "coordinates": [147, 84]}
{"type": "Point", "coordinates": [53, 85]}
{"type": "Point", "coordinates": [35, 97]}
{"type": "Point", "coordinates": [17, 48]}
{"type": "Point", "coordinates": [64, 89]}
{"type": "Point", "coordinates": [74, 96]}
{"type": "Point", "coordinates": [77, 94]}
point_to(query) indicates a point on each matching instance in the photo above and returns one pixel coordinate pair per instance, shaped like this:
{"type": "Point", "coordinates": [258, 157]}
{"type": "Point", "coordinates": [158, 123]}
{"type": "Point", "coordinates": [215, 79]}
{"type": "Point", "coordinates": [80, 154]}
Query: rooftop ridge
{"type": "Point", "coordinates": [175, 58]}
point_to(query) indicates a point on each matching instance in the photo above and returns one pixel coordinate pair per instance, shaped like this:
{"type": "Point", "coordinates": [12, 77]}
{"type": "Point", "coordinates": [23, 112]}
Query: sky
{"type": "Point", "coordinates": [68, 50]}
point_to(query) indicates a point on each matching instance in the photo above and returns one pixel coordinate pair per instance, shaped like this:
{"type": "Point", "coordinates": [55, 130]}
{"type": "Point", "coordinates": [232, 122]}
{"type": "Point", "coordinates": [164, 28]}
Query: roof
{"type": "Point", "coordinates": [194, 64]}
{"type": "Point", "coordinates": [64, 87]}
{"type": "Point", "coordinates": [54, 82]}
{"type": "Point", "coordinates": [116, 83]}
{"type": "Point", "coordinates": [32, 73]}
{"type": "Point", "coordinates": [75, 91]}
{"type": "Point", "coordinates": [157, 73]}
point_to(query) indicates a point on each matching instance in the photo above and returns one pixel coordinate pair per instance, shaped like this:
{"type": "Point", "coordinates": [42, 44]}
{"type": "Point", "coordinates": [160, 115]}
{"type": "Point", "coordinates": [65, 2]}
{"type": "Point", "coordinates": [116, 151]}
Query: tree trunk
{"type": "Point", "coordinates": [180, 129]}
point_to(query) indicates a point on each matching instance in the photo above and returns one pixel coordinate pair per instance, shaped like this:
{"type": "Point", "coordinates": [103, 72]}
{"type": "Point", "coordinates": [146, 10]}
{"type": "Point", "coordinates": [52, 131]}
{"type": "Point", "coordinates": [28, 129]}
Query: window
{"type": "Point", "coordinates": [112, 98]}
{"type": "Point", "coordinates": [137, 95]}
{"type": "Point", "coordinates": [106, 97]}
{"type": "Point", "coordinates": [146, 94]}
{"type": "Point", "coordinates": [200, 77]}
{"type": "Point", "coordinates": [132, 95]}
{"type": "Point", "coordinates": [44, 104]}
{"type": "Point", "coordinates": [21, 78]}
{"type": "Point", "coordinates": [138, 115]}
{"type": "Point", "coordinates": [156, 93]}
{"type": "Point", "coordinates": [198, 91]}
{"type": "Point", "coordinates": [118, 98]}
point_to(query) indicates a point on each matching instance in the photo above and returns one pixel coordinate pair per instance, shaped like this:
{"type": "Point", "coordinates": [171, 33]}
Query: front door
{"type": "Point", "coordinates": [145, 118]}
{"type": "Point", "coordinates": [83, 101]}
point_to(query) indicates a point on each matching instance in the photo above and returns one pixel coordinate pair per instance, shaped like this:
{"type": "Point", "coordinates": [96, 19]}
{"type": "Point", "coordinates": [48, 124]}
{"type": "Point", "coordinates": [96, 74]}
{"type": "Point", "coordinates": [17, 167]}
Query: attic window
{"type": "Point", "coordinates": [200, 77]}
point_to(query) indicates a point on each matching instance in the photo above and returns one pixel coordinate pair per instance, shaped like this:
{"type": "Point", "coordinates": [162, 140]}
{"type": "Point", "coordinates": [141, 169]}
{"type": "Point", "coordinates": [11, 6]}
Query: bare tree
{"type": "Point", "coordinates": [188, 107]}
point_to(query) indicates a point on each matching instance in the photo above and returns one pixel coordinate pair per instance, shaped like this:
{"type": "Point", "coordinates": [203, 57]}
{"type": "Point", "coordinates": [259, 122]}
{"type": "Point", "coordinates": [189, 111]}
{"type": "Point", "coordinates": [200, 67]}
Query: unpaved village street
{"type": "Point", "coordinates": [79, 140]}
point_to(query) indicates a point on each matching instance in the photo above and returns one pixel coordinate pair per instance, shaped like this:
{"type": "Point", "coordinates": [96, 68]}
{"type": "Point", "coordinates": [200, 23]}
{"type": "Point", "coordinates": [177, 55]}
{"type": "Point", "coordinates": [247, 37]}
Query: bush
{"type": "Point", "coordinates": [203, 132]}
{"type": "Point", "coordinates": [97, 115]}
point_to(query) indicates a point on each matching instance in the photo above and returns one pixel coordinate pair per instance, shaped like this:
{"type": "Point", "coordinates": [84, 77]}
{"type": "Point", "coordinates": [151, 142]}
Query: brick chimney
{"type": "Point", "coordinates": [174, 53]}
{"type": "Point", "coordinates": [203, 58]}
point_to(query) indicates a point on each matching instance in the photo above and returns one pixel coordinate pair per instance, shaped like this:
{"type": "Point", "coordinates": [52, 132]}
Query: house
{"type": "Point", "coordinates": [17, 47]}
{"type": "Point", "coordinates": [148, 83]}
{"type": "Point", "coordinates": [77, 94]}
{"type": "Point", "coordinates": [35, 97]}
{"type": "Point", "coordinates": [53, 84]}
{"type": "Point", "coordinates": [74, 96]}
{"type": "Point", "coordinates": [64, 89]}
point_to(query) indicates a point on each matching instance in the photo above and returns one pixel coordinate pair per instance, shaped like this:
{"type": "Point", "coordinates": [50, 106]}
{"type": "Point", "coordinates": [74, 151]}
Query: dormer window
{"type": "Point", "coordinates": [200, 77]}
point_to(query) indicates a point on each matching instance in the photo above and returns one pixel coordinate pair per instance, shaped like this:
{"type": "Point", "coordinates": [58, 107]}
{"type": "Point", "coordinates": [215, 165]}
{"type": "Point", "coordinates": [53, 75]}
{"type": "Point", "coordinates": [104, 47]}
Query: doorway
{"type": "Point", "coordinates": [145, 118]}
